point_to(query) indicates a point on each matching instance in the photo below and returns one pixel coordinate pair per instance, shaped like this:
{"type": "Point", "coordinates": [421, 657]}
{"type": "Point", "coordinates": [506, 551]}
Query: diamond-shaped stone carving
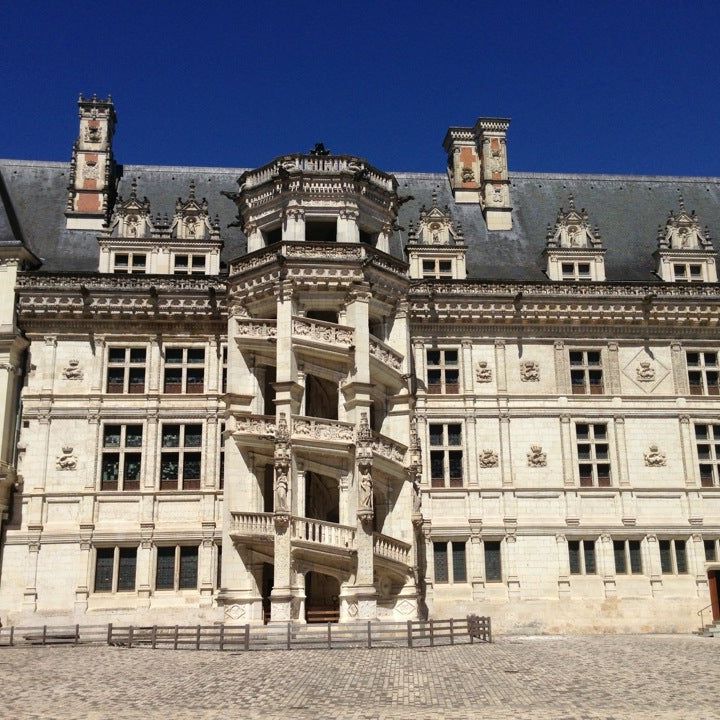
{"type": "Point", "coordinates": [646, 371]}
{"type": "Point", "coordinates": [405, 607]}
{"type": "Point", "coordinates": [235, 612]}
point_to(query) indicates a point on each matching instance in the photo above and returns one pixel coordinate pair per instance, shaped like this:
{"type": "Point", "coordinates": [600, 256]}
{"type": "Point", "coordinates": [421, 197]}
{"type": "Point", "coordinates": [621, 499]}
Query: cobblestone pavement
{"type": "Point", "coordinates": [546, 678]}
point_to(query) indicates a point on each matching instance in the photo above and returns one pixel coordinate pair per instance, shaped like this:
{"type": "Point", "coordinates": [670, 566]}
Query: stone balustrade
{"type": "Point", "coordinates": [323, 533]}
{"type": "Point", "coordinates": [392, 549]}
{"type": "Point", "coordinates": [247, 524]}
{"type": "Point", "coordinates": [255, 425]}
{"type": "Point", "coordinates": [322, 332]}
{"type": "Point", "coordinates": [321, 429]}
{"type": "Point", "coordinates": [388, 448]}
{"type": "Point", "coordinates": [256, 328]}
{"type": "Point", "coordinates": [385, 354]}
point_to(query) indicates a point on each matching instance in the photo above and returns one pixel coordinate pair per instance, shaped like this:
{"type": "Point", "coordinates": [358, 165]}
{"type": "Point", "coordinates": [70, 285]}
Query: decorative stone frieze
{"type": "Point", "coordinates": [251, 328]}
{"type": "Point", "coordinates": [317, 429]}
{"type": "Point", "coordinates": [385, 354]}
{"type": "Point", "coordinates": [322, 332]}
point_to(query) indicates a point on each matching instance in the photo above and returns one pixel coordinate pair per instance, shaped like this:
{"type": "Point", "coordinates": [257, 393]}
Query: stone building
{"type": "Point", "coordinates": [317, 391]}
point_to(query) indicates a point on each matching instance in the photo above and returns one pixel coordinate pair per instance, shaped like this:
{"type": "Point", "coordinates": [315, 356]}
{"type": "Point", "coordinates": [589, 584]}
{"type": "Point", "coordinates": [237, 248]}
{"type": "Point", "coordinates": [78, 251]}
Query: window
{"type": "Point", "coordinates": [493, 562]}
{"type": "Point", "coordinates": [711, 550]}
{"type": "Point", "coordinates": [628, 559]}
{"type": "Point", "coordinates": [443, 372]}
{"type": "Point", "coordinates": [437, 268]}
{"type": "Point", "coordinates": [184, 370]}
{"type": "Point", "coordinates": [593, 457]}
{"type": "Point", "coordinates": [115, 569]}
{"type": "Point", "coordinates": [189, 265]}
{"type": "Point", "coordinates": [223, 375]}
{"type": "Point", "coordinates": [221, 455]}
{"type": "Point", "coordinates": [703, 373]}
{"type": "Point", "coordinates": [449, 572]}
{"type": "Point", "coordinates": [673, 557]}
{"type": "Point", "coordinates": [707, 440]}
{"type": "Point", "coordinates": [687, 272]}
{"type": "Point", "coordinates": [181, 457]}
{"type": "Point", "coordinates": [446, 455]}
{"type": "Point", "coordinates": [575, 271]}
{"type": "Point", "coordinates": [582, 557]}
{"type": "Point", "coordinates": [126, 370]}
{"type": "Point", "coordinates": [176, 568]}
{"type": "Point", "coordinates": [132, 263]}
{"type": "Point", "coordinates": [121, 460]}
{"type": "Point", "coordinates": [586, 375]}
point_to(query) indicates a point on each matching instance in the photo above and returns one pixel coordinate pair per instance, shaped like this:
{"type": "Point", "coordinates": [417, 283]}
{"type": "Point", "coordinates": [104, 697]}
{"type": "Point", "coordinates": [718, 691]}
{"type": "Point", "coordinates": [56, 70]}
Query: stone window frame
{"type": "Point", "coordinates": [501, 560]}
{"type": "Point", "coordinates": [443, 368]}
{"type": "Point", "coordinates": [714, 543]}
{"type": "Point", "coordinates": [593, 460]}
{"type": "Point", "coordinates": [450, 561]}
{"type": "Point", "coordinates": [190, 267]}
{"type": "Point", "coordinates": [177, 566]}
{"type": "Point", "coordinates": [131, 262]}
{"type": "Point", "coordinates": [188, 369]}
{"type": "Point", "coordinates": [702, 370]}
{"type": "Point", "coordinates": [436, 272]}
{"type": "Point", "coordinates": [712, 461]}
{"type": "Point", "coordinates": [129, 365]}
{"type": "Point", "coordinates": [122, 450]}
{"type": "Point", "coordinates": [585, 370]}
{"type": "Point", "coordinates": [674, 568]}
{"type": "Point", "coordinates": [446, 448]}
{"type": "Point", "coordinates": [114, 584]}
{"type": "Point", "coordinates": [182, 449]}
{"type": "Point", "coordinates": [582, 566]}
{"type": "Point", "coordinates": [686, 275]}
{"type": "Point", "coordinates": [629, 568]}
{"type": "Point", "coordinates": [570, 270]}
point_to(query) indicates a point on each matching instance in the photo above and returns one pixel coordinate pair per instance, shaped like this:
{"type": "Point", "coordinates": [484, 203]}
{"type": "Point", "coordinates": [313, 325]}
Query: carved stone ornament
{"type": "Point", "coordinates": [66, 460]}
{"type": "Point", "coordinates": [536, 457]}
{"type": "Point", "coordinates": [572, 230]}
{"type": "Point", "coordinates": [655, 457]}
{"type": "Point", "coordinates": [529, 371]}
{"type": "Point", "coordinates": [468, 175]}
{"type": "Point", "coordinates": [683, 232]}
{"type": "Point", "coordinates": [488, 459]}
{"type": "Point", "coordinates": [436, 226]}
{"type": "Point", "coordinates": [73, 371]}
{"type": "Point", "coordinates": [483, 374]}
{"type": "Point", "coordinates": [645, 371]}
{"type": "Point", "coordinates": [281, 489]}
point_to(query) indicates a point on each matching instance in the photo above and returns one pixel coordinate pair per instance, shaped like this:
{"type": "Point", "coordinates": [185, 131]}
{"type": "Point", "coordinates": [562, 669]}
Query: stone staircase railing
{"type": "Point", "coordinates": [323, 533]}
{"type": "Point", "coordinates": [391, 549]}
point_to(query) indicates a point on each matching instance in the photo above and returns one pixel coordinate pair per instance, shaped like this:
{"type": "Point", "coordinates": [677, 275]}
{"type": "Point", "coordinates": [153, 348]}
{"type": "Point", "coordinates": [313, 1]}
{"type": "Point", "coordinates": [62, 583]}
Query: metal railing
{"type": "Point", "coordinates": [700, 613]}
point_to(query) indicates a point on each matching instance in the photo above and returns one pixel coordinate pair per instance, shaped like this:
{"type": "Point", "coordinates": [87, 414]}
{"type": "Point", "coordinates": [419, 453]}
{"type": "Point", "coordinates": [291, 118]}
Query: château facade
{"type": "Point", "coordinates": [319, 391]}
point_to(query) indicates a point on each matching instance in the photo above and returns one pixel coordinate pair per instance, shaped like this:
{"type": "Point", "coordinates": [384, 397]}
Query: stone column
{"type": "Point", "coordinates": [364, 588]}
{"type": "Point", "coordinates": [562, 375]}
{"type": "Point", "coordinates": [688, 456]}
{"type": "Point", "coordinates": [506, 471]}
{"type": "Point", "coordinates": [294, 224]}
{"type": "Point", "coordinates": [563, 565]}
{"type": "Point", "coordinates": [206, 564]}
{"type": "Point", "coordinates": [696, 558]}
{"type": "Point", "coordinates": [566, 450]}
{"type": "Point", "coordinates": [613, 373]}
{"type": "Point", "coordinates": [145, 564]}
{"type": "Point", "coordinates": [347, 226]}
{"type": "Point", "coordinates": [513, 580]}
{"type": "Point", "coordinates": [82, 589]}
{"type": "Point", "coordinates": [606, 564]}
{"type": "Point", "coordinates": [500, 365]}
{"type": "Point", "coordinates": [30, 594]}
{"type": "Point", "coordinates": [679, 369]}
{"type": "Point", "coordinates": [477, 561]}
{"type": "Point", "coordinates": [653, 563]}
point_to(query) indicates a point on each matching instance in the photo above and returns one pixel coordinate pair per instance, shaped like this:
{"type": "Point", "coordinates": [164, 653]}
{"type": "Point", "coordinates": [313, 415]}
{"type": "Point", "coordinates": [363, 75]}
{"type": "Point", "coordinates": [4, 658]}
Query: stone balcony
{"type": "Point", "coordinates": [386, 363]}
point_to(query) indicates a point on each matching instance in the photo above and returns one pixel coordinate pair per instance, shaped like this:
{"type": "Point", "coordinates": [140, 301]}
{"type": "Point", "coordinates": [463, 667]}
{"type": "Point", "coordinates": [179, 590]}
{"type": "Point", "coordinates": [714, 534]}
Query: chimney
{"type": "Point", "coordinates": [91, 192]}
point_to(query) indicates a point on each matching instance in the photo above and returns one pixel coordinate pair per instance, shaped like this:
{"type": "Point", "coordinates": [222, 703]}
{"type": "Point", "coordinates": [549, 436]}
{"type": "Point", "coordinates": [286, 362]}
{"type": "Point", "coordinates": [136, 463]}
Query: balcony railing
{"type": "Point", "coordinates": [323, 533]}
{"type": "Point", "coordinates": [385, 354]}
{"type": "Point", "coordinates": [320, 429]}
{"type": "Point", "coordinates": [253, 524]}
{"type": "Point", "coordinates": [255, 425]}
{"type": "Point", "coordinates": [392, 549]}
{"type": "Point", "coordinates": [256, 328]}
{"type": "Point", "coordinates": [388, 448]}
{"type": "Point", "coordinates": [322, 332]}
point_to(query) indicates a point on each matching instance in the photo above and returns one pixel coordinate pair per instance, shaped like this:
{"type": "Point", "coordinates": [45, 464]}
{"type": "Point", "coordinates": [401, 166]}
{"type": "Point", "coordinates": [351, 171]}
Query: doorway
{"type": "Point", "coordinates": [714, 586]}
{"type": "Point", "coordinates": [268, 580]}
{"type": "Point", "coordinates": [322, 598]}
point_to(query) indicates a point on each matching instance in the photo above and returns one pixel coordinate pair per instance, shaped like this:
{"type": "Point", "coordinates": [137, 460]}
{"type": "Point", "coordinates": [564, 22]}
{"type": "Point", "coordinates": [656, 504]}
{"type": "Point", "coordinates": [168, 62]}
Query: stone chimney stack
{"type": "Point", "coordinates": [478, 169]}
{"type": "Point", "coordinates": [91, 192]}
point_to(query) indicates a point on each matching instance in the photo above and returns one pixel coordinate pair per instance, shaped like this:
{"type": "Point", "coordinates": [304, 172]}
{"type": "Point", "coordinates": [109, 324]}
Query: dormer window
{"type": "Point", "coordinates": [573, 249]}
{"type": "Point", "coordinates": [685, 252]}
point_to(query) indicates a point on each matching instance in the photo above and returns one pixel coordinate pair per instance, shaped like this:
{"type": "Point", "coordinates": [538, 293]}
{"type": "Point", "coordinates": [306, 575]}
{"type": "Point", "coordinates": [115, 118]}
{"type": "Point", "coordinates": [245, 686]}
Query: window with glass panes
{"type": "Point", "coordinates": [184, 370]}
{"type": "Point", "coordinates": [443, 372]}
{"type": "Point", "coordinates": [687, 272]}
{"type": "Point", "coordinates": [593, 454]}
{"type": "Point", "coordinates": [176, 567]}
{"type": "Point", "coordinates": [115, 569]}
{"type": "Point", "coordinates": [223, 376]}
{"type": "Point", "coordinates": [446, 455]}
{"type": "Point", "coordinates": [582, 557]}
{"type": "Point", "coordinates": [575, 271]}
{"type": "Point", "coordinates": [126, 370]}
{"type": "Point", "coordinates": [703, 372]}
{"type": "Point", "coordinates": [449, 561]}
{"type": "Point", "coordinates": [121, 457]}
{"type": "Point", "coordinates": [188, 264]}
{"type": "Point", "coordinates": [493, 561]}
{"type": "Point", "coordinates": [711, 550]}
{"type": "Point", "coordinates": [586, 375]}
{"type": "Point", "coordinates": [180, 456]}
{"type": "Point", "coordinates": [132, 263]}
{"type": "Point", "coordinates": [707, 442]}
{"type": "Point", "coordinates": [673, 557]}
{"type": "Point", "coordinates": [436, 268]}
{"type": "Point", "coordinates": [628, 557]}
{"type": "Point", "coordinates": [221, 456]}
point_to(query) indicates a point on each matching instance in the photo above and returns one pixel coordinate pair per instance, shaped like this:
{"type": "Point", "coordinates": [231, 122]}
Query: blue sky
{"type": "Point", "coordinates": [606, 87]}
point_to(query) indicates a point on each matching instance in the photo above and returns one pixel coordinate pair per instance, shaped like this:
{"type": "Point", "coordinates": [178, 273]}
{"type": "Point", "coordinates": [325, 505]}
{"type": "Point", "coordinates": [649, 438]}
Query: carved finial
{"type": "Point", "coordinates": [364, 433]}
{"type": "Point", "coordinates": [571, 200]}
{"type": "Point", "coordinates": [681, 202]}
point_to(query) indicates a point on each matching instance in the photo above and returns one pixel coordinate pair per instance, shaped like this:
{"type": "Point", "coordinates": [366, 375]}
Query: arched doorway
{"type": "Point", "coordinates": [322, 598]}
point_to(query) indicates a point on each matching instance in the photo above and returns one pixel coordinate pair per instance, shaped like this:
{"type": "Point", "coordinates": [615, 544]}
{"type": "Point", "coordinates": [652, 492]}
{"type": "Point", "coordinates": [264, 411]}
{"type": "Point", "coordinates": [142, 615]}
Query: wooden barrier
{"type": "Point", "coordinates": [285, 636]}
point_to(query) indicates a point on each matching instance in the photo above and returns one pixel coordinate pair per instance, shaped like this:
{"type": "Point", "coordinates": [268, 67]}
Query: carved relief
{"type": "Point", "coordinates": [66, 460]}
{"type": "Point", "coordinates": [281, 489]}
{"type": "Point", "coordinates": [323, 430]}
{"type": "Point", "coordinates": [645, 371]}
{"type": "Point", "coordinates": [536, 457]}
{"type": "Point", "coordinates": [73, 371]}
{"type": "Point", "coordinates": [488, 459]}
{"type": "Point", "coordinates": [655, 457]}
{"type": "Point", "coordinates": [385, 355]}
{"type": "Point", "coordinates": [529, 371]}
{"type": "Point", "coordinates": [468, 174]}
{"type": "Point", "coordinates": [483, 374]}
{"type": "Point", "coordinates": [683, 232]}
{"type": "Point", "coordinates": [435, 226]}
{"type": "Point", "coordinates": [572, 230]}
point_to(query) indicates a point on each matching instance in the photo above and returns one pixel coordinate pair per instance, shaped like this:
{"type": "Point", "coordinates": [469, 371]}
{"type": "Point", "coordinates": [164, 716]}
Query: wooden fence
{"type": "Point", "coordinates": [287, 636]}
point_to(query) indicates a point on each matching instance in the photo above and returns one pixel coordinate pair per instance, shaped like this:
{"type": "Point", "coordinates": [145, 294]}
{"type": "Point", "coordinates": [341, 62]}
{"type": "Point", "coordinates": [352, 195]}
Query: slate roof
{"type": "Point", "coordinates": [627, 209]}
